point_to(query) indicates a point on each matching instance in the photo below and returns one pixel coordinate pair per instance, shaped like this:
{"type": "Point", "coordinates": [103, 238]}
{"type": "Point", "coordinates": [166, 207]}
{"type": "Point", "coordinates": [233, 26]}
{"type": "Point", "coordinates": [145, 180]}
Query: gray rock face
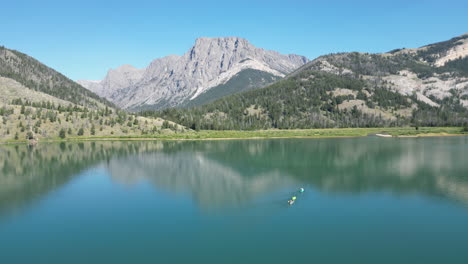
{"type": "Point", "coordinates": [173, 80]}
{"type": "Point", "coordinates": [116, 79]}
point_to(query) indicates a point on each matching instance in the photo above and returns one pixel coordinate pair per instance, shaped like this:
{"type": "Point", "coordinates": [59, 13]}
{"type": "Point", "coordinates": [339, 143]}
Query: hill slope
{"type": "Point", "coordinates": [243, 81]}
{"type": "Point", "coordinates": [179, 80]}
{"type": "Point", "coordinates": [37, 102]}
{"type": "Point", "coordinates": [433, 72]}
{"type": "Point", "coordinates": [36, 76]}
{"type": "Point", "coordinates": [402, 87]}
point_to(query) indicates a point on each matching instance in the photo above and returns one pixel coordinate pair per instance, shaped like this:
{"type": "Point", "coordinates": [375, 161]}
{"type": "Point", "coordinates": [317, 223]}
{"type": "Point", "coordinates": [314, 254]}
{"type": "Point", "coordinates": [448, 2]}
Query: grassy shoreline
{"type": "Point", "coordinates": [270, 134]}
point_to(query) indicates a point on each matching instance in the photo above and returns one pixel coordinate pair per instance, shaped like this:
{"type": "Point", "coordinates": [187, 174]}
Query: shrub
{"type": "Point", "coordinates": [29, 135]}
{"type": "Point", "coordinates": [465, 128]}
{"type": "Point", "coordinates": [62, 133]}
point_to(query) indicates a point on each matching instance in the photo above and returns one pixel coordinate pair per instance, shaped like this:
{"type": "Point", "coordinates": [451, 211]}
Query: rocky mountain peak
{"type": "Point", "coordinates": [124, 68]}
{"type": "Point", "coordinates": [225, 42]}
{"type": "Point", "coordinates": [172, 80]}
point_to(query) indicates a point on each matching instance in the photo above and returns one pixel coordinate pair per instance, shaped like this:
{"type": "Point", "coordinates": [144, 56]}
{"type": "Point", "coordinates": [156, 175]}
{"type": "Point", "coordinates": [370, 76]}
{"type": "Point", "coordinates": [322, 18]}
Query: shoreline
{"type": "Point", "coordinates": [178, 139]}
{"type": "Point", "coordinates": [213, 135]}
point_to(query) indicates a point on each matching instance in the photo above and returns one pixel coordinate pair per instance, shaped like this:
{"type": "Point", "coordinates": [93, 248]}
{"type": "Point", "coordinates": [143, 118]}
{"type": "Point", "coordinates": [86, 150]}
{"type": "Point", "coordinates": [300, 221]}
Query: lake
{"type": "Point", "coordinates": [366, 200]}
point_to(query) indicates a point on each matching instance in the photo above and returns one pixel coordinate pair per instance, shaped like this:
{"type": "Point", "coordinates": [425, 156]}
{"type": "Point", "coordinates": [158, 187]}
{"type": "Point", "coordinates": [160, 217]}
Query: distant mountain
{"type": "Point", "coordinates": [32, 74]}
{"type": "Point", "coordinates": [424, 86]}
{"type": "Point", "coordinates": [211, 64]}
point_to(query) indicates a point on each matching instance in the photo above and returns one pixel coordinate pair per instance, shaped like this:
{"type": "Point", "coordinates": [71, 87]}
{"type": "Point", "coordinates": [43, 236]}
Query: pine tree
{"type": "Point", "coordinates": [29, 135]}
{"type": "Point", "coordinates": [62, 133]}
{"type": "Point", "coordinates": [80, 132]}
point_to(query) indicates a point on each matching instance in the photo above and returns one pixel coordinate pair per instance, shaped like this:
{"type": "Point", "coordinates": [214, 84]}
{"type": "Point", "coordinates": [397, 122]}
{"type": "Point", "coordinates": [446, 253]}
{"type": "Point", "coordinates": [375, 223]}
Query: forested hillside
{"type": "Point", "coordinates": [427, 86]}
{"type": "Point", "coordinates": [421, 61]}
{"type": "Point", "coordinates": [37, 102]}
{"type": "Point", "coordinates": [37, 76]}
{"type": "Point", "coordinates": [243, 81]}
{"type": "Point", "coordinates": [315, 99]}
{"type": "Point", "coordinates": [26, 120]}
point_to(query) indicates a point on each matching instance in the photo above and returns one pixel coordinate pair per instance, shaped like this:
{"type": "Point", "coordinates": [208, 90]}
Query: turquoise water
{"type": "Point", "coordinates": [367, 200]}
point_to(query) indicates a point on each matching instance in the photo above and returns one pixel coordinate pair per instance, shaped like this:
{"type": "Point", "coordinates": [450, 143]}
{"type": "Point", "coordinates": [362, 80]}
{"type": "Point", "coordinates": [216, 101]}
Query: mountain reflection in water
{"type": "Point", "coordinates": [226, 173]}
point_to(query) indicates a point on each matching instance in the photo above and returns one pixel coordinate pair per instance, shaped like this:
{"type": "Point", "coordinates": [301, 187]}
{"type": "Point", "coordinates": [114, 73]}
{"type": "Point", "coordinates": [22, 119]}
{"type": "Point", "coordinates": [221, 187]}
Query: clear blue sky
{"type": "Point", "coordinates": [85, 38]}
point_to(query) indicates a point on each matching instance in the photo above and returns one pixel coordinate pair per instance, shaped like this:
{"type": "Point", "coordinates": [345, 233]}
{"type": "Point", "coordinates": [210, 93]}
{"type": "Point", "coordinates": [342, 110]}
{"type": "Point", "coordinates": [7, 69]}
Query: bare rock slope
{"type": "Point", "coordinates": [175, 80]}
{"type": "Point", "coordinates": [432, 73]}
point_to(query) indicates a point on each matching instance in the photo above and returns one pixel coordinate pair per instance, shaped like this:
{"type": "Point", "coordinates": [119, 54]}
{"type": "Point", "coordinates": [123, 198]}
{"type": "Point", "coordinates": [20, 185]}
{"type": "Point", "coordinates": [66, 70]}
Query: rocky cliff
{"type": "Point", "coordinates": [176, 80]}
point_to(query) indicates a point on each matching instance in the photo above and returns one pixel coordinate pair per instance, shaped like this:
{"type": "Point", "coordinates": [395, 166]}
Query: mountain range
{"type": "Point", "coordinates": [423, 86]}
{"type": "Point", "coordinates": [227, 83]}
{"type": "Point", "coordinates": [212, 68]}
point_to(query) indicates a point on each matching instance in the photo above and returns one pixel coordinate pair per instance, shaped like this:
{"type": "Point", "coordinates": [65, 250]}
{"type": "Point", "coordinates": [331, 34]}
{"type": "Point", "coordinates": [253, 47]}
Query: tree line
{"type": "Point", "coordinates": [306, 100]}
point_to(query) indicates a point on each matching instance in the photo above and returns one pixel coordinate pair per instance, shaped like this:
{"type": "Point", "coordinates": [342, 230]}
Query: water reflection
{"type": "Point", "coordinates": [221, 173]}
{"type": "Point", "coordinates": [29, 173]}
{"type": "Point", "coordinates": [211, 183]}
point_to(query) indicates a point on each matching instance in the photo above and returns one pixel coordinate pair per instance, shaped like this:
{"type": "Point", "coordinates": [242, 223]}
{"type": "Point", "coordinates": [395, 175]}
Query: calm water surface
{"type": "Point", "coordinates": [367, 200]}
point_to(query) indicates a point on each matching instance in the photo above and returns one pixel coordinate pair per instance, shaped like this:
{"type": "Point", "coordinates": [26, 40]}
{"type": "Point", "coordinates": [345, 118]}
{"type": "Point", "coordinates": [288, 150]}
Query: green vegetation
{"type": "Point", "coordinates": [29, 169]}
{"type": "Point", "coordinates": [460, 65]}
{"type": "Point", "coordinates": [338, 91]}
{"type": "Point", "coordinates": [330, 132]}
{"type": "Point", "coordinates": [378, 65]}
{"type": "Point", "coordinates": [243, 81]}
{"type": "Point", "coordinates": [36, 76]}
{"type": "Point", "coordinates": [62, 133]}
{"type": "Point", "coordinates": [309, 99]}
{"type": "Point", "coordinates": [465, 128]}
{"type": "Point", "coordinates": [39, 103]}
{"type": "Point", "coordinates": [419, 62]}
{"type": "Point", "coordinates": [24, 120]}
{"type": "Point", "coordinates": [275, 133]}
{"type": "Point", "coordinates": [342, 94]}
{"type": "Point", "coordinates": [430, 52]}
{"type": "Point", "coordinates": [29, 135]}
